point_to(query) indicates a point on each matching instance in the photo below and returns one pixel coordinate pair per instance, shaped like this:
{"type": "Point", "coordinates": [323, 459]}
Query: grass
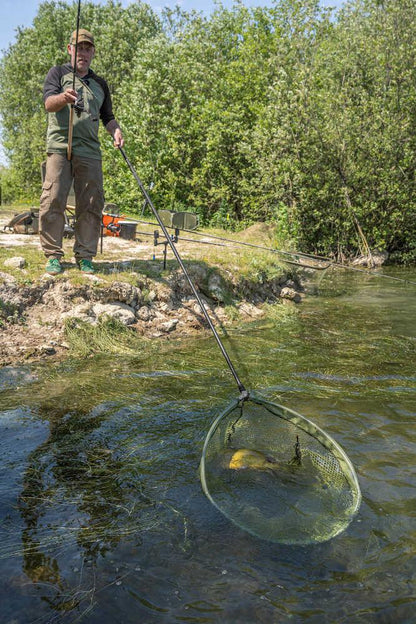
{"type": "Point", "coordinates": [239, 271]}
{"type": "Point", "coordinates": [255, 265]}
{"type": "Point", "coordinates": [107, 336]}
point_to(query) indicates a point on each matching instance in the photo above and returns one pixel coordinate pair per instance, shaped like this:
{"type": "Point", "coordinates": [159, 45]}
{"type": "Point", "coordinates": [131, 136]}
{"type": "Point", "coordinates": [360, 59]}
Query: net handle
{"type": "Point", "coordinates": [243, 392]}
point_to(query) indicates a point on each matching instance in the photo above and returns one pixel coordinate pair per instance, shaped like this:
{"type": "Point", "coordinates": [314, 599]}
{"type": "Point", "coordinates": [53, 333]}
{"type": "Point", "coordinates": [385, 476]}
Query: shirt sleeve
{"type": "Point", "coordinates": [106, 110]}
{"type": "Point", "coordinates": [52, 84]}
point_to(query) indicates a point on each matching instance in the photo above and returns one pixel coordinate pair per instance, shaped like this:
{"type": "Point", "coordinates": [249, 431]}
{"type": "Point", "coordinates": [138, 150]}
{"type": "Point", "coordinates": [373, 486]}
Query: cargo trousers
{"type": "Point", "coordinates": [89, 203]}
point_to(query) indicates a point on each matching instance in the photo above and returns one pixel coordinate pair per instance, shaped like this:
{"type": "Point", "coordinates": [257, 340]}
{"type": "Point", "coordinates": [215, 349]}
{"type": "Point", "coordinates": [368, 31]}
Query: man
{"type": "Point", "coordinates": [92, 101]}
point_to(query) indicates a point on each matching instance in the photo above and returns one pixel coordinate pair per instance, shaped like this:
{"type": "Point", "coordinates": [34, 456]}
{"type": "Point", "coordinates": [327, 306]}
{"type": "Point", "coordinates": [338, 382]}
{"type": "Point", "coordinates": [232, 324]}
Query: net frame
{"type": "Point", "coordinates": [311, 429]}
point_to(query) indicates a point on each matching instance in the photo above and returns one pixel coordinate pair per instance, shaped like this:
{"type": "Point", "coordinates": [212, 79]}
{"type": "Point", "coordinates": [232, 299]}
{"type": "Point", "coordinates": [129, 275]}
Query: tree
{"type": "Point", "coordinates": [24, 66]}
{"type": "Point", "coordinates": [291, 114]}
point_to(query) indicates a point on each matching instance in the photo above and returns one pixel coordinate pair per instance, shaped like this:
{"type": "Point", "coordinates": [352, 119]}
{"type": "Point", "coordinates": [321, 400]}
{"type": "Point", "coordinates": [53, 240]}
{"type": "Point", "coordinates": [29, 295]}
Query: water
{"type": "Point", "coordinates": [102, 515]}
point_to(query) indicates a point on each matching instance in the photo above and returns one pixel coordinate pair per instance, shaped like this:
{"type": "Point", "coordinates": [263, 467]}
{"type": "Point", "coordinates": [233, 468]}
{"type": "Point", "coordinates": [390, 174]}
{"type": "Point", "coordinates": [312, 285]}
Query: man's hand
{"type": "Point", "coordinates": [55, 103]}
{"type": "Point", "coordinates": [118, 138]}
{"type": "Point", "coordinates": [114, 129]}
{"type": "Point", "coordinates": [70, 96]}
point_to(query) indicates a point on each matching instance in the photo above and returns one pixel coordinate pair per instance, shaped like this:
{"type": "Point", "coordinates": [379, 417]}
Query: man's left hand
{"type": "Point", "coordinates": [118, 138]}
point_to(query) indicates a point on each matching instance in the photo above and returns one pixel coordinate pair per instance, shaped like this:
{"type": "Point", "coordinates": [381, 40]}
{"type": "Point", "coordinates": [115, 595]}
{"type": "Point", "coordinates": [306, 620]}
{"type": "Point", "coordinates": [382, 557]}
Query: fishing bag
{"type": "Point", "coordinates": [24, 223]}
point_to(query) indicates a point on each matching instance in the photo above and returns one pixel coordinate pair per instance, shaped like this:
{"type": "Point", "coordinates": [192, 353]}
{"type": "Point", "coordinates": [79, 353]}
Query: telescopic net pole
{"type": "Point", "coordinates": [71, 112]}
{"type": "Point", "coordinates": [243, 391]}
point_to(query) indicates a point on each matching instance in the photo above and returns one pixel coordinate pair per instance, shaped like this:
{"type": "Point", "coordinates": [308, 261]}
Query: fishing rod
{"type": "Point", "coordinates": [71, 111]}
{"type": "Point", "coordinates": [263, 248]}
{"type": "Point", "coordinates": [299, 254]}
{"type": "Point", "coordinates": [235, 242]}
{"type": "Point", "coordinates": [186, 240]}
{"type": "Point", "coordinates": [243, 392]}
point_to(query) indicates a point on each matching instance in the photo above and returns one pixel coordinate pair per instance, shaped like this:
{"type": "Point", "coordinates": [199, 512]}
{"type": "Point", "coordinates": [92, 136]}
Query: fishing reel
{"type": "Point", "coordinates": [79, 106]}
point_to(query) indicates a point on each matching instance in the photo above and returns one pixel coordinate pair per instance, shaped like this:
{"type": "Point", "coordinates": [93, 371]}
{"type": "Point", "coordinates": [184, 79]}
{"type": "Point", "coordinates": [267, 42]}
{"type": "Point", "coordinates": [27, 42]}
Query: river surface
{"type": "Point", "coordinates": [103, 519]}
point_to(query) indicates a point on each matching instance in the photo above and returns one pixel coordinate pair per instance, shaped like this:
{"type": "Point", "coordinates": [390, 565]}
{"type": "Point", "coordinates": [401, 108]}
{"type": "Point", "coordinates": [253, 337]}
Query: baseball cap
{"type": "Point", "coordinates": [84, 36]}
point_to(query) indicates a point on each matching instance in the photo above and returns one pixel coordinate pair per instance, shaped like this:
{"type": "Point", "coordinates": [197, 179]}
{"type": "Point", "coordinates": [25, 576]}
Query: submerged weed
{"type": "Point", "coordinates": [107, 336]}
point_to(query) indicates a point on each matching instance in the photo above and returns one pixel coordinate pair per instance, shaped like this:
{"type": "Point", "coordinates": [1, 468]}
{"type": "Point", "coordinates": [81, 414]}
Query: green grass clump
{"type": "Point", "coordinates": [107, 336]}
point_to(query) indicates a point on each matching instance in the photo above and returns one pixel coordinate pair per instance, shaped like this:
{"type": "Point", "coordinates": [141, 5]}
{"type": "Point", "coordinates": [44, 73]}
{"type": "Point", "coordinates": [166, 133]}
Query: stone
{"type": "Point", "coordinates": [121, 291]}
{"type": "Point", "coordinates": [168, 326]}
{"type": "Point", "coordinates": [291, 294]}
{"type": "Point", "coordinates": [164, 307]}
{"type": "Point", "coordinates": [7, 278]}
{"type": "Point", "coordinates": [377, 259]}
{"type": "Point", "coordinates": [119, 311]}
{"type": "Point", "coordinates": [47, 349]}
{"type": "Point", "coordinates": [143, 313]}
{"type": "Point", "coordinates": [17, 262]}
{"type": "Point", "coordinates": [80, 312]}
{"type": "Point", "coordinates": [216, 288]}
{"type": "Point", "coordinates": [250, 310]}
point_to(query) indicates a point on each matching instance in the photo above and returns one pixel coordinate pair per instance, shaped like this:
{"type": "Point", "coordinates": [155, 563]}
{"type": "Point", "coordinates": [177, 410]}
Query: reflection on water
{"type": "Point", "coordinates": [102, 515]}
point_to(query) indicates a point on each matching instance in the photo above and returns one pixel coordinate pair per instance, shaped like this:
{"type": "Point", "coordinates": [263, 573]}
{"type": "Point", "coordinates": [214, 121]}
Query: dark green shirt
{"type": "Point", "coordinates": [97, 105]}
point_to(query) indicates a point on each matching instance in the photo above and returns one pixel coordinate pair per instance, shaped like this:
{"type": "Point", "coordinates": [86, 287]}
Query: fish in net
{"type": "Point", "coordinates": [277, 475]}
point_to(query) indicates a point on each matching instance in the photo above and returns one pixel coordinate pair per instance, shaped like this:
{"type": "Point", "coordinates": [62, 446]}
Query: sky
{"type": "Point", "coordinates": [15, 13]}
{"type": "Point", "coordinates": [20, 13]}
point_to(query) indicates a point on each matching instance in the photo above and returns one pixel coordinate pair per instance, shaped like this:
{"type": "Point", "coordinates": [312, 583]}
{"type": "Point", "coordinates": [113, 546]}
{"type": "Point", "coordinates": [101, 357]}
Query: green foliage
{"type": "Point", "coordinates": [25, 64]}
{"type": "Point", "coordinates": [289, 114]}
{"type": "Point", "coordinates": [107, 336]}
{"type": "Point", "coordinates": [9, 313]}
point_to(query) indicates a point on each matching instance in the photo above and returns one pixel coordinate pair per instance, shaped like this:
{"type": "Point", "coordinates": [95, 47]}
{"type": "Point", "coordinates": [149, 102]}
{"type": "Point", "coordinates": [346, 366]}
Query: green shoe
{"type": "Point", "coordinates": [85, 265]}
{"type": "Point", "coordinates": [53, 266]}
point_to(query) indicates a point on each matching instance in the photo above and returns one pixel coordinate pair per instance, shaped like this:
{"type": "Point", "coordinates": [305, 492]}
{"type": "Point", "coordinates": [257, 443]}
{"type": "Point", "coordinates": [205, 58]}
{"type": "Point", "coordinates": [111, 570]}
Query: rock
{"type": "Point", "coordinates": [216, 288]}
{"type": "Point", "coordinates": [122, 292]}
{"type": "Point", "coordinates": [93, 278]}
{"type": "Point", "coordinates": [80, 312]}
{"type": "Point", "coordinates": [119, 311]}
{"type": "Point", "coordinates": [47, 277]}
{"type": "Point", "coordinates": [168, 326]}
{"type": "Point", "coordinates": [17, 262]}
{"type": "Point", "coordinates": [47, 349]}
{"type": "Point", "coordinates": [197, 273]}
{"type": "Point", "coordinates": [164, 307]}
{"type": "Point", "coordinates": [163, 294]}
{"type": "Point", "coordinates": [7, 278]}
{"type": "Point", "coordinates": [143, 313]}
{"type": "Point", "coordinates": [291, 294]}
{"type": "Point", "coordinates": [180, 285]}
{"type": "Point", "coordinates": [249, 309]}
{"type": "Point", "coordinates": [377, 259]}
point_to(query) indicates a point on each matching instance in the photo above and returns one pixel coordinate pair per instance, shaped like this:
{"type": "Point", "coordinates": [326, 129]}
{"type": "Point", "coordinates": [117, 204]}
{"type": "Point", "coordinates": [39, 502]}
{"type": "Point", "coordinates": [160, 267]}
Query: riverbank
{"type": "Point", "coordinates": [40, 315]}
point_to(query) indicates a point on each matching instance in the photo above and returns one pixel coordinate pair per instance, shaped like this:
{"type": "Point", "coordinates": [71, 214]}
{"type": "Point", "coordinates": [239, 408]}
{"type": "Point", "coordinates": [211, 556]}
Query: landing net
{"type": "Point", "coordinates": [277, 475]}
{"type": "Point", "coordinates": [269, 470]}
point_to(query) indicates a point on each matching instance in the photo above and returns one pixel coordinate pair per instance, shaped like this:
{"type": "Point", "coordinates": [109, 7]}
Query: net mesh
{"type": "Point", "coordinates": [277, 475]}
